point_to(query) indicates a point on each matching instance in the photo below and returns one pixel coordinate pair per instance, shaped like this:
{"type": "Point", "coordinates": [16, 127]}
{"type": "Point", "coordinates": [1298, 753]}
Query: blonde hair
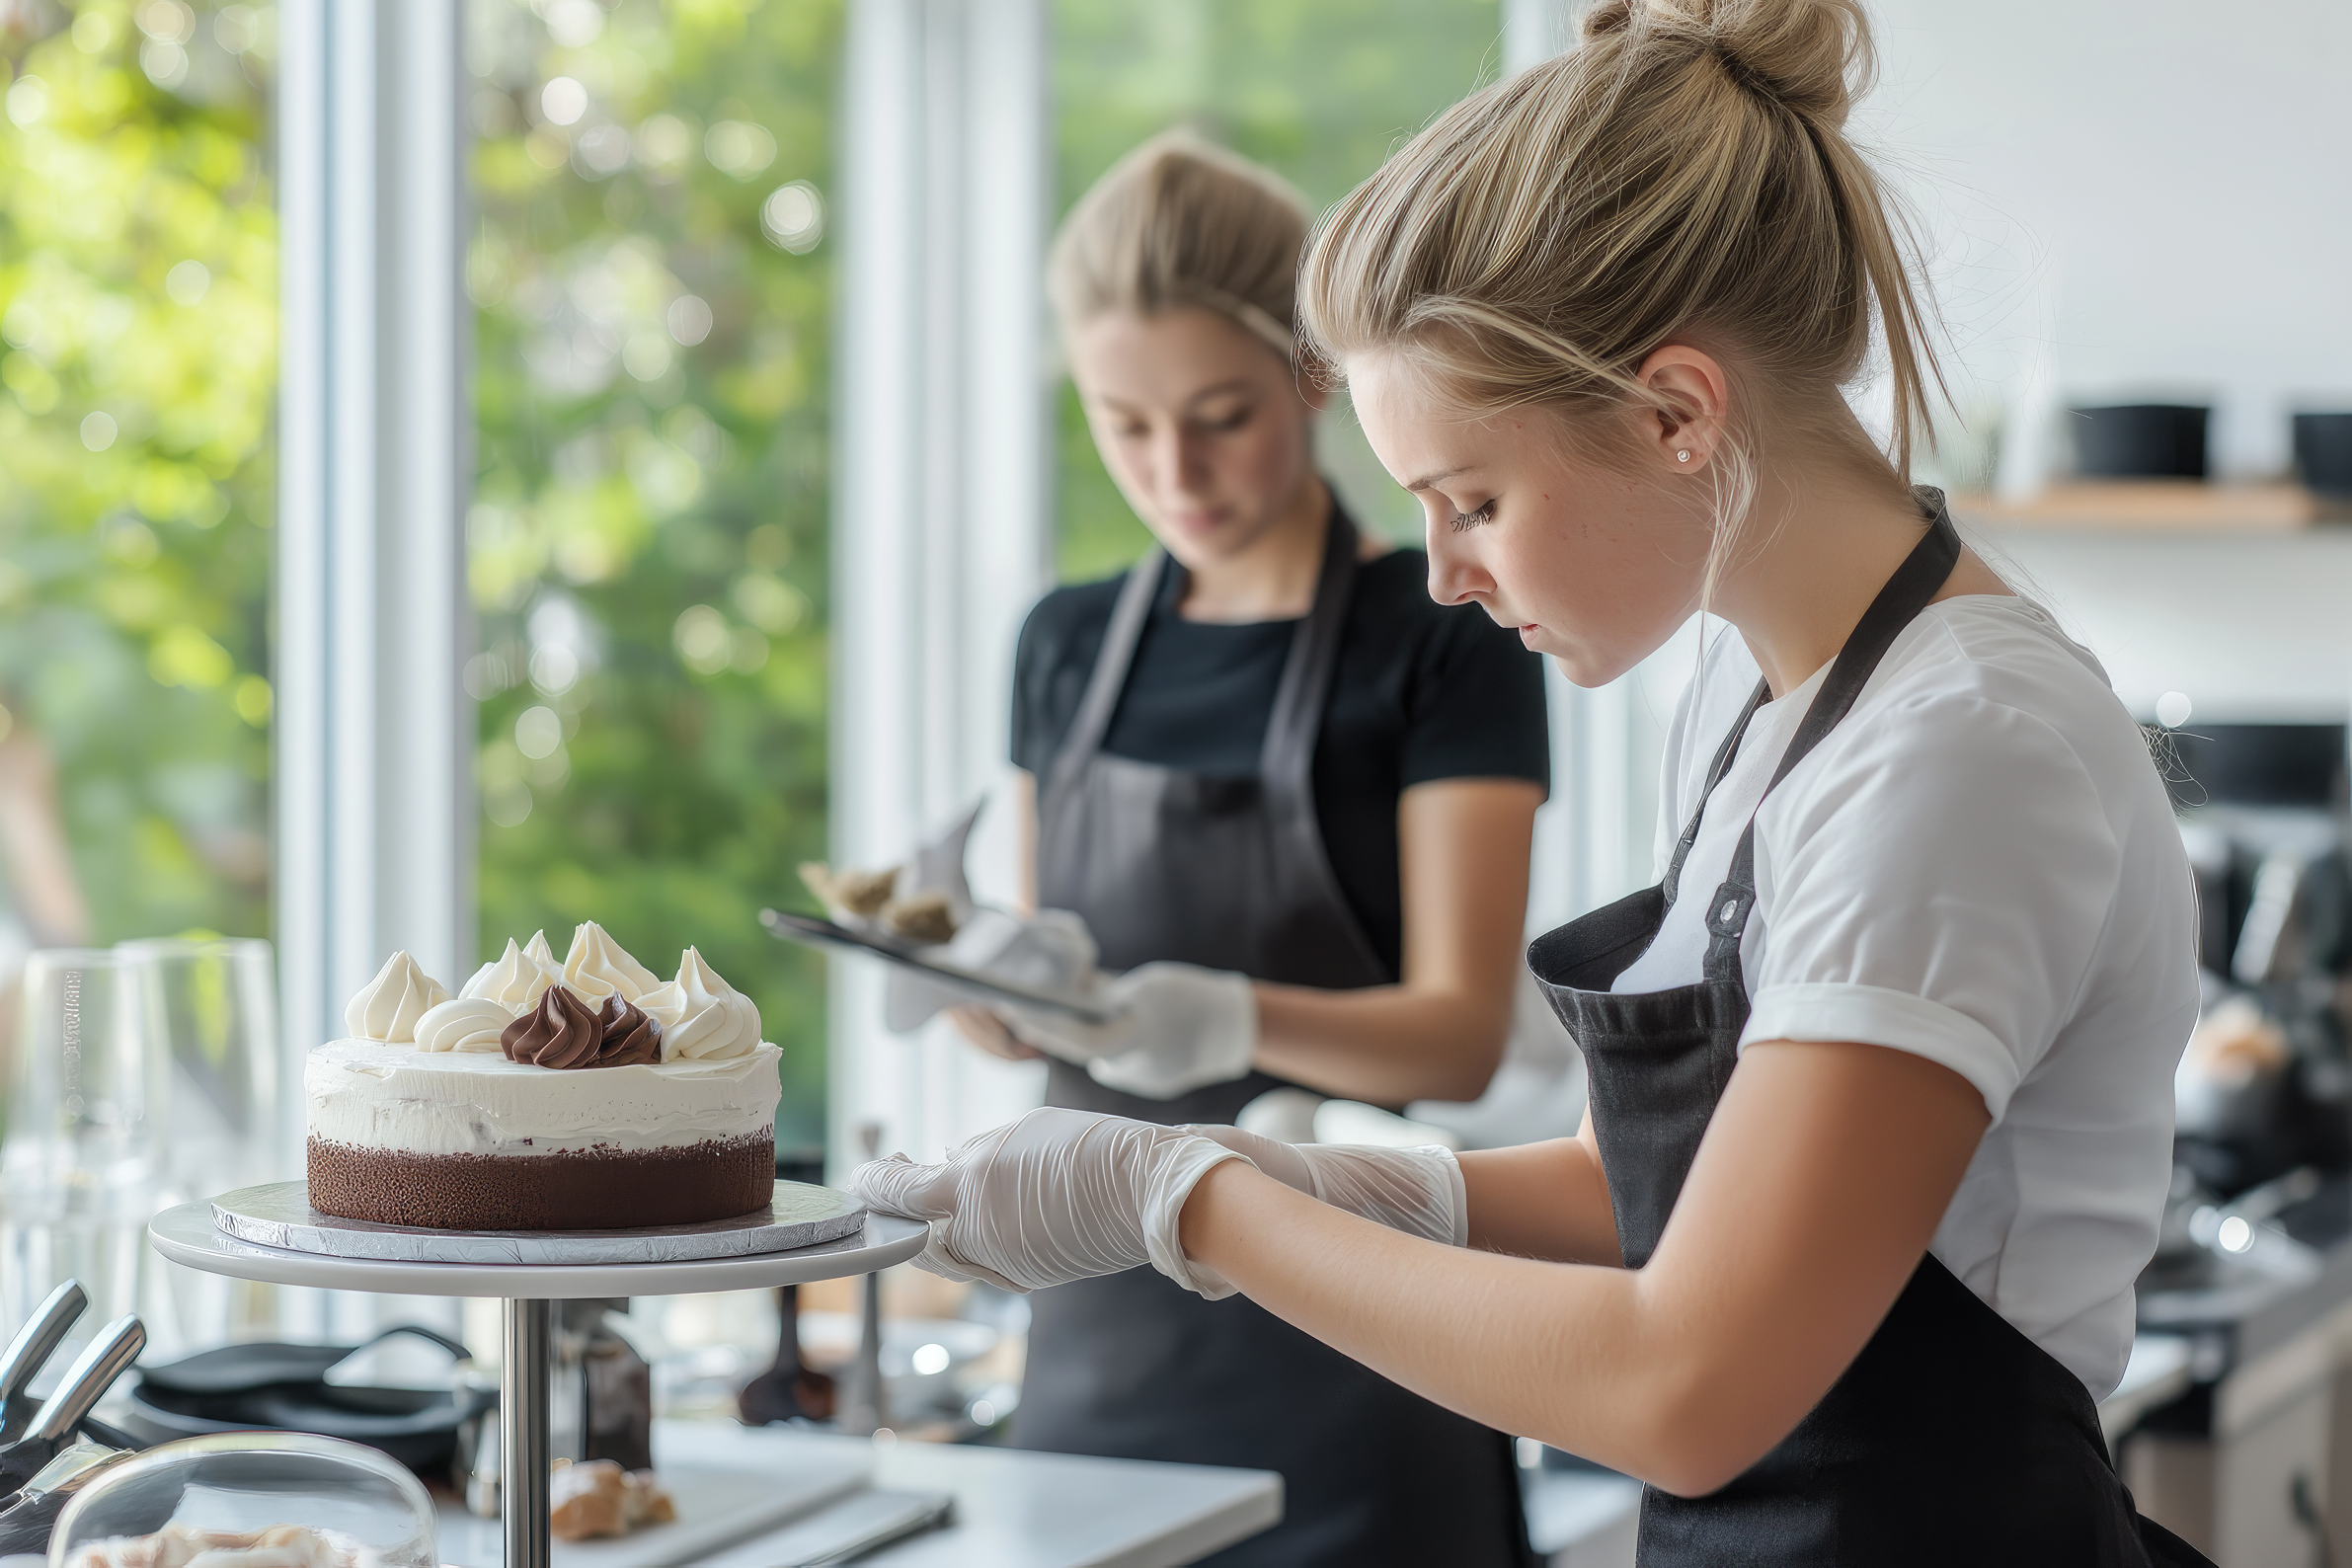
{"type": "Point", "coordinates": [1684, 172]}
{"type": "Point", "coordinates": [1181, 223]}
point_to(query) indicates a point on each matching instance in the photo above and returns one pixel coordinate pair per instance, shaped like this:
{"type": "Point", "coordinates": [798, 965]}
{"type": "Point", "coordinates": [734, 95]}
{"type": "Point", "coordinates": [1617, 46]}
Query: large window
{"type": "Point", "coordinates": [648, 539]}
{"type": "Point", "coordinates": [139, 301]}
{"type": "Point", "coordinates": [1319, 90]}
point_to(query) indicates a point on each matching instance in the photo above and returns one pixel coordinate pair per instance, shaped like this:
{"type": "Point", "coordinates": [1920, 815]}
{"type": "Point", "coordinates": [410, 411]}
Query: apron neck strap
{"type": "Point", "coordinates": [1724, 753]}
{"type": "Point", "coordinates": [1911, 589]}
{"type": "Point", "coordinates": [1120, 637]}
{"type": "Point", "coordinates": [1298, 716]}
{"type": "Point", "coordinates": [1298, 700]}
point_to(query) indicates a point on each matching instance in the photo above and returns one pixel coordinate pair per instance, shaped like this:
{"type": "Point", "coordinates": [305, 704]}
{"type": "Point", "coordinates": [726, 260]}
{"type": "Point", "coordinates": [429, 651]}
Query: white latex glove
{"type": "Point", "coordinates": [1054, 952]}
{"type": "Point", "coordinates": [1174, 1028]}
{"type": "Point", "coordinates": [1058, 1196]}
{"type": "Point", "coordinates": [1418, 1190]}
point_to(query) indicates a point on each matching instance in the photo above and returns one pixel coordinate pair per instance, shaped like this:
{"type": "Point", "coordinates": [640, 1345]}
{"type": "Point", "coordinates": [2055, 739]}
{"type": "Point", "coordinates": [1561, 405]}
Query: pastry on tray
{"type": "Point", "coordinates": [178, 1545]}
{"type": "Point", "coordinates": [579, 1095]}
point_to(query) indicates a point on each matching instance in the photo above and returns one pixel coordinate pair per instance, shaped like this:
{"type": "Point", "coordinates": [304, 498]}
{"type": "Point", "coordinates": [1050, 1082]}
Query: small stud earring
{"type": "Point", "coordinates": [1683, 456]}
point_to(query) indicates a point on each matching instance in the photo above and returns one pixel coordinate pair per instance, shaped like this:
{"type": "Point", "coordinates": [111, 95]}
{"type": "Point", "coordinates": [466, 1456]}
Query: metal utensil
{"type": "Point", "coordinates": [27, 1523]}
{"type": "Point", "coordinates": [30, 1352]}
{"type": "Point", "coordinates": [105, 1359]}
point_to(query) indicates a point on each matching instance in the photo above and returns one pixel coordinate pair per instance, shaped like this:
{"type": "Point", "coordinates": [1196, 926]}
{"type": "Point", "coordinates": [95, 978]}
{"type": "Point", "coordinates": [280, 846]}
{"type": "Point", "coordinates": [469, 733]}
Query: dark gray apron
{"type": "Point", "coordinates": [1952, 1438]}
{"type": "Point", "coordinates": [1230, 873]}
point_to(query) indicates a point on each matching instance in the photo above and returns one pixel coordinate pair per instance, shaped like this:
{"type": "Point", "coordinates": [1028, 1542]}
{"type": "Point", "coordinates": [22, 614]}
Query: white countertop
{"type": "Point", "coordinates": [1019, 1510]}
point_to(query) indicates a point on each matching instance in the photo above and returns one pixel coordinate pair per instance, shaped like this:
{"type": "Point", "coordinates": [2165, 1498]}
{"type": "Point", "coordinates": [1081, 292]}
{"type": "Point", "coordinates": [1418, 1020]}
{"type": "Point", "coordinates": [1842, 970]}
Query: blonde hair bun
{"type": "Point", "coordinates": [1813, 57]}
{"type": "Point", "coordinates": [1181, 223]}
{"type": "Point", "coordinates": [1680, 175]}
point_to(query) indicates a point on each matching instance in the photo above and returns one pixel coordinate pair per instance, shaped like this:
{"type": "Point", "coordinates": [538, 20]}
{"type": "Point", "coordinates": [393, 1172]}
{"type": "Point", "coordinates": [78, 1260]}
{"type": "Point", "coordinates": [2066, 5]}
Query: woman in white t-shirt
{"type": "Point", "coordinates": [1881, 1109]}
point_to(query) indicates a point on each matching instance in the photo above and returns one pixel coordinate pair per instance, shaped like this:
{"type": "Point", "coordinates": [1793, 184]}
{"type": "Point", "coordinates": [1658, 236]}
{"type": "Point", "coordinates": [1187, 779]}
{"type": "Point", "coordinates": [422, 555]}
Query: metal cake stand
{"type": "Point", "coordinates": [633, 1263]}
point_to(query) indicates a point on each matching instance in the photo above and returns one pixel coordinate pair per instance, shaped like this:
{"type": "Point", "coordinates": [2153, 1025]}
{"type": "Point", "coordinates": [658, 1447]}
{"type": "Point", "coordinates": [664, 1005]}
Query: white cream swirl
{"type": "Point", "coordinates": [465, 1023]}
{"type": "Point", "coordinates": [538, 949]}
{"type": "Point", "coordinates": [702, 1017]}
{"type": "Point", "coordinates": [598, 966]}
{"type": "Point", "coordinates": [516, 980]}
{"type": "Point", "coordinates": [387, 1007]}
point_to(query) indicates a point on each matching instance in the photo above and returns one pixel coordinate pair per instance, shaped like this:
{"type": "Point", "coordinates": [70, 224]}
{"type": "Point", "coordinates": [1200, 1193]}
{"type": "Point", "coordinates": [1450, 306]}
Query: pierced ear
{"type": "Point", "coordinates": [1676, 434]}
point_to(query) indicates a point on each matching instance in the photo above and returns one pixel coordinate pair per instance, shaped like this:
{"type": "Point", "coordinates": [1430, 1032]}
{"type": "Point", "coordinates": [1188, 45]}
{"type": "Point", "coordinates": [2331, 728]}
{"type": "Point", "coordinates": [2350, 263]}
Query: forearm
{"type": "Point", "coordinates": [1545, 1201]}
{"type": "Point", "coordinates": [1463, 846]}
{"type": "Point", "coordinates": [1385, 1044]}
{"type": "Point", "coordinates": [1823, 1174]}
{"type": "Point", "coordinates": [1574, 1356]}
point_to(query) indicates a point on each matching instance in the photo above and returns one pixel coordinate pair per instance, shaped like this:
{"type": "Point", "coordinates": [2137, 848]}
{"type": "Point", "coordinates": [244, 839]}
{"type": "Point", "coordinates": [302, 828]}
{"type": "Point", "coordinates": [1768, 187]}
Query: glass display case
{"type": "Point", "coordinates": [250, 1500]}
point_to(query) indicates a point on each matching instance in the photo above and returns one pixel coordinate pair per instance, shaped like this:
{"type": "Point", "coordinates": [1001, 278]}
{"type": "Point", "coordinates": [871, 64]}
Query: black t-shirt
{"type": "Point", "coordinates": [1422, 693]}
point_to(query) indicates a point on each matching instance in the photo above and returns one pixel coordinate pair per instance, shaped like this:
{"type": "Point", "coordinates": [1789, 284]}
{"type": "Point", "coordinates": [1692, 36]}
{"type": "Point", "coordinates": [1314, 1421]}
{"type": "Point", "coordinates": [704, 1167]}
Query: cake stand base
{"type": "Point", "coordinates": [187, 1235]}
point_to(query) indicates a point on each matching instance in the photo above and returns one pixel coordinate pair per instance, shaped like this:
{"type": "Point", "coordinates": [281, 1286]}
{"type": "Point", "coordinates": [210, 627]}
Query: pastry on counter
{"type": "Point", "coordinates": [598, 1498]}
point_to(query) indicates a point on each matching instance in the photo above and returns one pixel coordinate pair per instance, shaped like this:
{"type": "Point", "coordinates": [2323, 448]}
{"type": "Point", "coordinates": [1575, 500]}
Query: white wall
{"type": "Point", "coordinates": [2155, 194]}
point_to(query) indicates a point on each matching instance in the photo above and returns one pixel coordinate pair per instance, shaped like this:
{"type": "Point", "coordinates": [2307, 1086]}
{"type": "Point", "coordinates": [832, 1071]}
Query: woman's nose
{"type": "Point", "coordinates": [1182, 459]}
{"type": "Point", "coordinates": [1456, 576]}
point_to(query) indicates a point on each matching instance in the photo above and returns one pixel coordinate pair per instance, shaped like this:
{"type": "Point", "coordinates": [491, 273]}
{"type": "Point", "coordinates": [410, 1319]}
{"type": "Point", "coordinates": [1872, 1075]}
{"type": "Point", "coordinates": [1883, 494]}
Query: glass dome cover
{"type": "Point", "coordinates": [250, 1500]}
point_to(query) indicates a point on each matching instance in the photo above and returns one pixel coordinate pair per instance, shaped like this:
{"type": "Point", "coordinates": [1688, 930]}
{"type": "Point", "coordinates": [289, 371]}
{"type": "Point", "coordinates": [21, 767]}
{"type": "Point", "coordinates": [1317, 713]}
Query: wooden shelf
{"type": "Point", "coordinates": [2167, 506]}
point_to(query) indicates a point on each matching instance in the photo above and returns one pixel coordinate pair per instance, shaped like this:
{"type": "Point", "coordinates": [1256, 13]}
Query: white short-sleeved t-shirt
{"type": "Point", "coordinates": [1979, 865]}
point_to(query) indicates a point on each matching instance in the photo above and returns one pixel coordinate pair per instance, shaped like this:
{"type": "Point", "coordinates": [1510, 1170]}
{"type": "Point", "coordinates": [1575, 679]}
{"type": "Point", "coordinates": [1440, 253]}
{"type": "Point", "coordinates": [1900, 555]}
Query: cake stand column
{"type": "Point", "coordinates": [203, 1236]}
{"type": "Point", "coordinates": [523, 1458]}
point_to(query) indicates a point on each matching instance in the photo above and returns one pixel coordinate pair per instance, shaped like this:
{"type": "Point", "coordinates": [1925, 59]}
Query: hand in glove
{"type": "Point", "coordinates": [1054, 952]}
{"type": "Point", "coordinates": [1174, 1027]}
{"type": "Point", "coordinates": [1418, 1190]}
{"type": "Point", "coordinates": [1058, 1196]}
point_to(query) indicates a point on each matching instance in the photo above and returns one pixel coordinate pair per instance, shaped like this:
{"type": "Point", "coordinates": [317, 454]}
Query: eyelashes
{"type": "Point", "coordinates": [1463, 522]}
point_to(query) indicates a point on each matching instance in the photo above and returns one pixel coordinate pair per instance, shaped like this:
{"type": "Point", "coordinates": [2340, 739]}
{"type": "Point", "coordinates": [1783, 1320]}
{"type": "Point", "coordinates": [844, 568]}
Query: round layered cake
{"type": "Point", "coordinates": [585, 1096]}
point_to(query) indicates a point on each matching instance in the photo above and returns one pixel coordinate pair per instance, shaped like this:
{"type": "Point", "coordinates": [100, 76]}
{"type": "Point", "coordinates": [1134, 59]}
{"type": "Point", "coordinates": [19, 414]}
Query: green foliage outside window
{"type": "Point", "coordinates": [139, 290]}
{"type": "Point", "coordinates": [648, 540]}
{"type": "Point", "coordinates": [1318, 90]}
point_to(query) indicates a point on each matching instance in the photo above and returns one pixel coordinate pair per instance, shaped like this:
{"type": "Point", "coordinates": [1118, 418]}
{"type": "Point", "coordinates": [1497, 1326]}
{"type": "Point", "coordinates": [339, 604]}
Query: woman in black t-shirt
{"type": "Point", "coordinates": [1292, 799]}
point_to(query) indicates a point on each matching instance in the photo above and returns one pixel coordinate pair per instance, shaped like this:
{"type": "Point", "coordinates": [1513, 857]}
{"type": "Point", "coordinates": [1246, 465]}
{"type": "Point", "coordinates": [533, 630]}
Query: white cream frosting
{"type": "Point", "coordinates": [597, 965]}
{"type": "Point", "coordinates": [515, 978]}
{"type": "Point", "coordinates": [465, 1023]}
{"type": "Point", "coordinates": [373, 1095]}
{"type": "Point", "coordinates": [387, 1007]}
{"type": "Point", "coordinates": [702, 1017]}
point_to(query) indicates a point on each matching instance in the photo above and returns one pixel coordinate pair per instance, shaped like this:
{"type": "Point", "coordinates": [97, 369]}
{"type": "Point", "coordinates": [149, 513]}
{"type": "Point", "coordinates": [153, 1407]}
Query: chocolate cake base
{"type": "Point", "coordinates": [597, 1189]}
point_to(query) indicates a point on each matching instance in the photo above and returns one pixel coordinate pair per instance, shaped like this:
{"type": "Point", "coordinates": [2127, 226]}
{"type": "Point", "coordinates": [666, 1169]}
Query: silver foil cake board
{"type": "Point", "coordinates": [280, 1216]}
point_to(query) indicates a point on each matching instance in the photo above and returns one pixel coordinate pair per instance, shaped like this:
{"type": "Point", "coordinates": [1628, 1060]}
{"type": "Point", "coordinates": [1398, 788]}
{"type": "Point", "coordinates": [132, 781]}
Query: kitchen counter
{"type": "Point", "coordinates": [1013, 1509]}
{"type": "Point", "coordinates": [2240, 1315]}
{"type": "Point", "coordinates": [2252, 1463]}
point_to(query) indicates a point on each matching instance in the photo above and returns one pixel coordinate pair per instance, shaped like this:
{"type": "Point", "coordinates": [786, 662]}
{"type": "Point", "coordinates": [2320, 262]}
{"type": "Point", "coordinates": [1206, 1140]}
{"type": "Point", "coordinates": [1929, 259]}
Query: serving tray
{"type": "Point", "coordinates": [278, 1215]}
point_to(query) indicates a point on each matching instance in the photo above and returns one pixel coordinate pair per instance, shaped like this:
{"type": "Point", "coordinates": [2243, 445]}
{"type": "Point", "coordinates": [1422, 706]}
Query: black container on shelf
{"type": "Point", "coordinates": [2323, 451]}
{"type": "Point", "coordinates": [2139, 441]}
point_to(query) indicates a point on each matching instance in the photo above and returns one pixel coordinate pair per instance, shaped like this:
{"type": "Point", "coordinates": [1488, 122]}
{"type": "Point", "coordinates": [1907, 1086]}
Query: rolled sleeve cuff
{"type": "Point", "coordinates": [1867, 1016]}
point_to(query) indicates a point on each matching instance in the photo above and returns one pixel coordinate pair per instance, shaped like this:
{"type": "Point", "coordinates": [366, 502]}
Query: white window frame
{"type": "Point", "coordinates": [941, 493]}
{"type": "Point", "coordinates": [373, 800]}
